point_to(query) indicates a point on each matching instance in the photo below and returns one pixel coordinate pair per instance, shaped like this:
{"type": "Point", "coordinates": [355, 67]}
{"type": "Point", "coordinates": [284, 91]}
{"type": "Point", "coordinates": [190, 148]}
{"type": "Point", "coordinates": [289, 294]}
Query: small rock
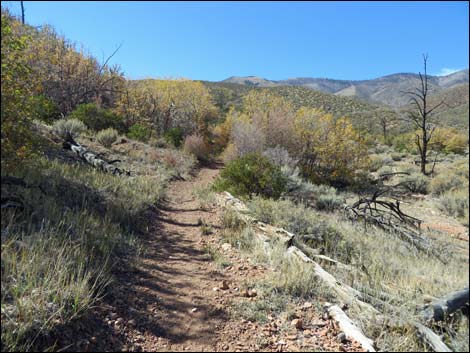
{"type": "Point", "coordinates": [341, 338]}
{"type": "Point", "coordinates": [281, 343]}
{"type": "Point", "coordinates": [193, 310]}
{"type": "Point", "coordinates": [119, 320]}
{"type": "Point", "coordinates": [318, 323]}
{"type": "Point", "coordinates": [307, 305]}
{"type": "Point", "coordinates": [113, 316]}
{"type": "Point", "coordinates": [252, 293]}
{"type": "Point", "coordinates": [215, 289]}
{"type": "Point", "coordinates": [131, 322]}
{"type": "Point", "coordinates": [226, 246]}
{"type": "Point", "coordinates": [297, 323]}
{"type": "Point", "coordinates": [427, 298]}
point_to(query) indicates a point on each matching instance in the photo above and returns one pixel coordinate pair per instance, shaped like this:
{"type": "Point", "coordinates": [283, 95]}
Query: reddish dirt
{"type": "Point", "coordinates": [166, 300]}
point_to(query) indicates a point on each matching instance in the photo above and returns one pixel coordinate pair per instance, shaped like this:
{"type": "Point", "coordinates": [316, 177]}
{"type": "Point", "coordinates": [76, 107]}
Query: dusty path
{"type": "Point", "coordinates": [171, 298]}
{"type": "Point", "coordinates": [172, 286]}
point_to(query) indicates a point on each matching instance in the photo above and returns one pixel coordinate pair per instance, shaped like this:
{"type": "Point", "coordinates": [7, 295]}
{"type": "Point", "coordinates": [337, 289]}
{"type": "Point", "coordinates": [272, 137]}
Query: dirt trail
{"type": "Point", "coordinates": [170, 299]}
{"type": "Point", "coordinates": [173, 283]}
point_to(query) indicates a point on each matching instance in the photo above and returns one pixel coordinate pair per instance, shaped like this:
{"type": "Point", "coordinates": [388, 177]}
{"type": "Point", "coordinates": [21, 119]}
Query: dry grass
{"type": "Point", "coordinates": [107, 137]}
{"type": "Point", "coordinates": [57, 252]}
{"type": "Point", "coordinates": [385, 264]}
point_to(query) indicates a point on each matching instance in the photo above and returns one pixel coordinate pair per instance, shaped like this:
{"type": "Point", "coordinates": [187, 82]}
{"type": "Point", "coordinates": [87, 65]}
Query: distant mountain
{"type": "Point", "coordinates": [254, 81]}
{"type": "Point", "coordinates": [385, 90]}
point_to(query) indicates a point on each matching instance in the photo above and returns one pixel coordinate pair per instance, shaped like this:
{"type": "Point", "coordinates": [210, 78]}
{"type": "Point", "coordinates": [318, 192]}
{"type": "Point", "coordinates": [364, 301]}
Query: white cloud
{"type": "Point", "coordinates": [446, 71]}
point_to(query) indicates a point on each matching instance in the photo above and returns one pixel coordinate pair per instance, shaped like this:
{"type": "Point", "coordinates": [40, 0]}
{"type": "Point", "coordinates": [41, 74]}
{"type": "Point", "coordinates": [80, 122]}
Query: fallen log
{"type": "Point", "coordinates": [265, 232]}
{"type": "Point", "coordinates": [315, 254]}
{"type": "Point", "coordinates": [348, 327]}
{"type": "Point", "coordinates": [433, 340]}
{"type": "Point", "coordinates": [92, 158]}
{"type": "Point", "coordinates": [344, 292]}
{"type": "Point", "coordinates": [438, 310]}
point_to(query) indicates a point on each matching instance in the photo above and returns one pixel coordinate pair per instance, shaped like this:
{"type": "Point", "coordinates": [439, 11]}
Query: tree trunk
{"type": "Point", "coordinates": [348, 327]}
{"type": "Point", "coordinates": [433, 340]}
{"type": "Point", "coordinates": [22, 12]}
{"type": "Point", "coordinates": [91, 158]}
{"type": "Point", "coordinates": [439, 309]}
{"type": "Point", "coordinates": [344, 292]}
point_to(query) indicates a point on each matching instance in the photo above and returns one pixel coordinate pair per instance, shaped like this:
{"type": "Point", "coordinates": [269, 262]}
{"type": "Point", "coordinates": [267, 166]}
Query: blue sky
{"type": "Point", "coordinates": [275, 40]}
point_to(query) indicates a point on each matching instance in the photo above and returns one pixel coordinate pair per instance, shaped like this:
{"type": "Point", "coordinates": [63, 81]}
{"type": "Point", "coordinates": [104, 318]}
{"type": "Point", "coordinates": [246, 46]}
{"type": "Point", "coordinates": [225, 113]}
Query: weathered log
{"type": "Point", "coordinates": [266, 233]}
{"type": "Point", "coordinates": [279, 234]}
{"type": "Point", "coordinates": [433, 340]}
{"type": "Point", "coordinates": [440, 309]}
{"type": "Point", "coordinates": [344, 292]}
{"type": "Point", "coordinates": [315, 254]}
{"type": "Point", "coordinates": [92, 158]}
{"type": "Point", "coordinates": [348, 327]}
{"type": "Point", "coordinates": [263, 231]}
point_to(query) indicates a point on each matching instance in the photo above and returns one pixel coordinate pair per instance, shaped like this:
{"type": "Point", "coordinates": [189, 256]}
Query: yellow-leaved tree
{"type": "Point", "coordinates": [17, 85]}
{"type": "Point", "coordinates": [330, 150]}
{"type": "Point", "coordinates": [166, 104]}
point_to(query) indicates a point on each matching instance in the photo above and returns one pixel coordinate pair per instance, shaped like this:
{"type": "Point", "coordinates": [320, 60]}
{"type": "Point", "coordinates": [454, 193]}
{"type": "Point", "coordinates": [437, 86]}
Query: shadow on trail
{"type": "Point", "coordinates": [153, 297]}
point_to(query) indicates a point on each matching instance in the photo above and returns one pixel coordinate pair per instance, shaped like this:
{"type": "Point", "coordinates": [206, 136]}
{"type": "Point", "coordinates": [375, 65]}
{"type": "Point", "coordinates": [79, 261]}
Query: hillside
{"type": "Point", "coordinates": [251, 215]}
{"type": "Point", "coordinates": [455, 111]}
{"type": "Point", "coordinates": [383, 90]}
{"type": "Point", "coordinates": [362, 114]}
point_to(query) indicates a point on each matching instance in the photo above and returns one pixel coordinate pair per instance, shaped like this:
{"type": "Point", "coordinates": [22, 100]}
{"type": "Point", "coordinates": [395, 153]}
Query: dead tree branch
{"type": "Point", "coordinates": [91, 158]}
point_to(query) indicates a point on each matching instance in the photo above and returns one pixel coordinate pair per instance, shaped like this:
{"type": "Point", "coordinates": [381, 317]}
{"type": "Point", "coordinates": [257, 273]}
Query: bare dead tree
{"type": "Point", "coordinates": [421, 117]}
{"type": "Point", "coordinates": [22, 12]}
{"type": "Point", "coordinates": [386, 120]}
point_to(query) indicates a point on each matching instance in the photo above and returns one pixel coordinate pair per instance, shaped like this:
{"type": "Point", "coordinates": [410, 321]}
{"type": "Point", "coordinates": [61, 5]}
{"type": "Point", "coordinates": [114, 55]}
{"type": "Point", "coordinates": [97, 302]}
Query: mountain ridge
{"type": "Point", "coordinates": [388, 89]}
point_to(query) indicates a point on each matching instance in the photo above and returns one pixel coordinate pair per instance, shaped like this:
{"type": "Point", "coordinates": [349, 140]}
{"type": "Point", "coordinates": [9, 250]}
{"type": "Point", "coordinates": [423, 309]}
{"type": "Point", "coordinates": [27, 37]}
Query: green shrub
{"type": "Point", "coordinates": [139, 132]}
{"type": "Point", "coordinates": [377, 161]}
{"type": "Point", "coordinates": [45, 109]}
{"type": "Point", "coordinates": [455, 203]}
{"type": "Point", "coordinates": [461, 168]}
{"type": "Point", "coordinates": [174, 136]}
{"type": "Point", "coordinates": [97, 118]}
{"type": "Point", "coordinates": [73, 126]}
{"type": "Point", "coordinates": [416, 182]}
{"type": "Point", "coordinates": [444, 182]}
{"type": "Point", "coordinates": [107, 137]}
{"type": "Point", "coordinates": [329, 202]}
{"type": "Point", "coordinates": [396, 156]}
{"type": "Point", "coordinates": [404, 143]}
{"type": "Point", "coordinates": [379, 149]}
{"type": "Point", "coordinates": [252, 174]}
